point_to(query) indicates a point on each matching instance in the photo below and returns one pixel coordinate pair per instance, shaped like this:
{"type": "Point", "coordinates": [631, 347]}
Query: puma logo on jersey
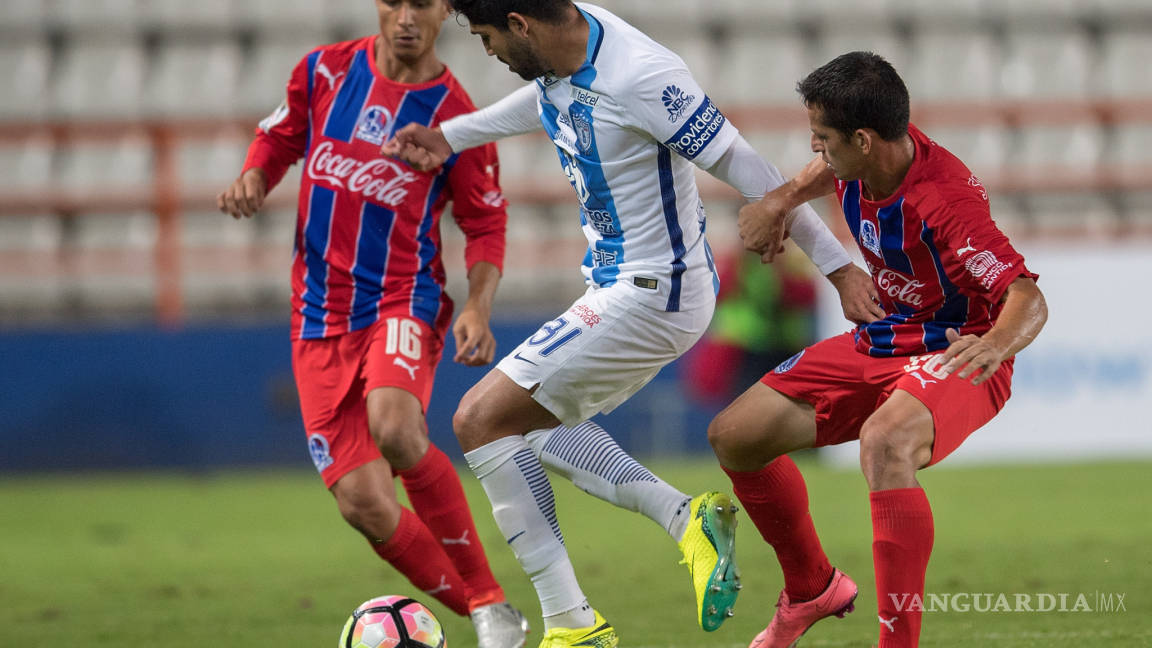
{"type": "Point", "coordinates": [406, 367]}
{"type": "Point", "coordinates": [888, 623]}
{"type": "Point", "coordinates": [923, 381]}
{"type": "Point", "coordinates": [967, 248]}
{"type": "Point", "coordinates": [462, 540]}
{"type": "Point", "coordinates": [442, 587]}
{"type": "Point", "coordinates": [327, 74]}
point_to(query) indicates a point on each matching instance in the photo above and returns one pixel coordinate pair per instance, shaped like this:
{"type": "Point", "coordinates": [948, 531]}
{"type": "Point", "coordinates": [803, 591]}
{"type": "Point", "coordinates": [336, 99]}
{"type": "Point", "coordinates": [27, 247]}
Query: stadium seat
{"type": "Point", "coordinates": [123, 165]}
{"type": "Point", "coordinates": [982, 148]}
{"type": "Point", "coordinates": [1046, 64]}
{"type": "Point", "coordinates": [277, 15]}
{"type": "Point", "coordinates": [176, 15]}
{"type": "Point", "coordinates": [761, 67]}
{"type": "Point", "coordinates": [934, 12]}
{"type": "Point", "coordinates": [855, 12]}
{"type": "Point", "coordinates": [103, 16]}
{"type": "Point", "coordinates": [359, 17]}
{"type": "Point", "coordinates": [28, 62]}
{"type": "Point", "coordinates": [839, 37]}
{"type": "Point", "coordinates": [1069, 149]}
{"type": "Point", "coordinates": [1130, 146]}
{"type": "Point", "coordinates": [1037, 12]}
{"type": "Point", "coordinates": [194, 79]}
{"type": "Point", "coordinates": [32, 233]}
{"type": "Point", "coordinates": [24, 16]}
{"type": "Point", "coordinates": [1125, 71]}
{"type": "Point", "coordinates": [99, 78]}
{"type": "Point", "coordinates": [950, 63]}
{"type": "Point", "coordinates": [265, 72]}
{"type": "Point", "coordinates": [208, 165]}
{"type": "Point", "coordinates": [26, 166]}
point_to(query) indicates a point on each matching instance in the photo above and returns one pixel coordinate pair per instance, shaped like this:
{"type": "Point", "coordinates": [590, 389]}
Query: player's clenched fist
{"type": "Point", "coordinates": [762, 226]}
{"type": "Point", "coordinates": [246, 195]}
{"type": "Point", "coordinates": [421, 147]}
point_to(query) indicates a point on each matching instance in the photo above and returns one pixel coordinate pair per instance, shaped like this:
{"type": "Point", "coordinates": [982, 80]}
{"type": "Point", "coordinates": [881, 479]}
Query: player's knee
{"type": "Point", "coordinates": [401, 441]}
{"type": "Point", "coordinates": [890, 444]}
{"type": "Point", "coordinates": [470, 421]}
{"type": "Point", "coordinates": [734, 445]}
{"type": "Point", "coordinates": [373, 514]}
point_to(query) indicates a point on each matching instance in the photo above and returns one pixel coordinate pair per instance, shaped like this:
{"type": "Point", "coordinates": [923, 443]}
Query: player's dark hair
{"type": "Point", "coordinates": [495, 12]}
{"type": "Point", "coordinates": [858, 90]}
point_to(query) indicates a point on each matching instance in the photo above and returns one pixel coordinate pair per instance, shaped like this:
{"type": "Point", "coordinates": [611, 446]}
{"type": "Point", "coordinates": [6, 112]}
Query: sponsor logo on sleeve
{"type": "Point", "coordinates": [986, 267]}
{"type": "Point", "coordinates": [974, 182]}
{"type": "Point", "coordinates": [786, 366]}
{"type": "Point", "coordinates": [698, 130]}
{"type": "Point", "coordinates": [276, 118]}
{"type": "Point", "coordinates": [677, 102]}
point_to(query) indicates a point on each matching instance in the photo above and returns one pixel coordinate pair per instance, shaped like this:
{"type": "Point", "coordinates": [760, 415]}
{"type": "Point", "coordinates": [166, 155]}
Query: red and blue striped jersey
{"type": "Point", "coordinates": [937, 259]}
{"type": "Point", "coordinates": [368, 227]}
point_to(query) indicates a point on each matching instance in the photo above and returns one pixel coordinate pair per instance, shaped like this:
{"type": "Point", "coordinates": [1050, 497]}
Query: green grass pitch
{"type": "Point", "coordinates": [263, 560]}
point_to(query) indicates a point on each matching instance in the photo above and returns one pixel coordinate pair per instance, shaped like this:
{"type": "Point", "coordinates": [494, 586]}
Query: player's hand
{"type": "Point", "coordinates": [421, 147]}
{"type": "Point", "coordinates": [475, 344]}
{"type": "Point", "coordinates": [858, 295]}
{"type": "Point", "coordinates": [972, 355]}
{"type": "Point", "coordinates": [763, 225]}
{"type": "Point", "coordinates": [246, 195]}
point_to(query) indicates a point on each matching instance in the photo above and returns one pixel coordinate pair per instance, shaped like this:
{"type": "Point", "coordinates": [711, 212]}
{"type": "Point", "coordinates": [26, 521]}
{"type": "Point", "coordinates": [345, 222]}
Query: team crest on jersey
{"type": "Point", "coordinates": [677, 102]}
{"type": "Point", "coordinates": [869, 237]}
{"type": "Point", "coordinates": [318, 448]}
{"type": "Point", "coordinates": [583, 129]}
{"type": "Point", "coordinates": [786, 366]}
{"type": "Point", "coordinates": [374, 125]}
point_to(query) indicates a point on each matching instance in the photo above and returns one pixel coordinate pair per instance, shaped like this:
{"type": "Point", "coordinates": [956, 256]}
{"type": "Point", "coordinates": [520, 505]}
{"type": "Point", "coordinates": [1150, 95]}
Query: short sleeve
{"type": "Point", "coordinates": [671, 106]}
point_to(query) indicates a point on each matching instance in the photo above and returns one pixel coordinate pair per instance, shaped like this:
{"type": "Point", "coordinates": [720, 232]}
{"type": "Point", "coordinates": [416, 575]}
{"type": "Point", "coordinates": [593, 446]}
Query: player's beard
{"type": "Point", "coordinates": [524, 61]}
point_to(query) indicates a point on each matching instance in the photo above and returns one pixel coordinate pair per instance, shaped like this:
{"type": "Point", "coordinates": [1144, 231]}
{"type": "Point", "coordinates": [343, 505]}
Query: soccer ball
{"type": "Point", "coordinates": [392, 622]}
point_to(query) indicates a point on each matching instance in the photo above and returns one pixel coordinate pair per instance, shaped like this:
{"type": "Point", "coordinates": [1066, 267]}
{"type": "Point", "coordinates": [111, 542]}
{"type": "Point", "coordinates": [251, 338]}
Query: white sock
{"type": "Point", "coordinates": [525, 512]}
{"type": "Point", "coordinates": [595, 463]}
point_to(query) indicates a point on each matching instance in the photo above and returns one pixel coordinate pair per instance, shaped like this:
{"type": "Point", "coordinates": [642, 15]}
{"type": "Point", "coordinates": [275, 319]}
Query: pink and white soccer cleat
{"type": "Point", "coordinates": [794, 619]}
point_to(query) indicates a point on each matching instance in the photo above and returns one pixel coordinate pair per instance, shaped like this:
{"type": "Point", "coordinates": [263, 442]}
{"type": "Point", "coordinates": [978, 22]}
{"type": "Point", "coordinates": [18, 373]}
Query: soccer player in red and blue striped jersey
{"type": "Point", "coordinates": [369, 310]}
{"type": "Point", "coordinates": [936, 364]}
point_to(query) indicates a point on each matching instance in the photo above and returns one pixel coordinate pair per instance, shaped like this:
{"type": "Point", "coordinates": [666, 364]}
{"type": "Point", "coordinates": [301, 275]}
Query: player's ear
{"type": "Point", "coordinates": [518, 24]}
{"type": "Point", "coordinates": [862, 139]}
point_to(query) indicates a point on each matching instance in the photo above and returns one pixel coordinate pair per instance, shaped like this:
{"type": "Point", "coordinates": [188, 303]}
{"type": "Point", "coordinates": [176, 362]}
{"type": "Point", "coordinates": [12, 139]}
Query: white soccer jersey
{"type": "Point", "coordinates": [627, 127]}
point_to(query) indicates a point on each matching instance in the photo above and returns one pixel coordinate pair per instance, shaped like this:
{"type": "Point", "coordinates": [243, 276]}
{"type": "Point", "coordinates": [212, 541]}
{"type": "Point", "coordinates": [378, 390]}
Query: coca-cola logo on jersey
{"type": "Point", "coordinates": [899, 287]}
{"type": "Point", "coordinates": [380, 180]}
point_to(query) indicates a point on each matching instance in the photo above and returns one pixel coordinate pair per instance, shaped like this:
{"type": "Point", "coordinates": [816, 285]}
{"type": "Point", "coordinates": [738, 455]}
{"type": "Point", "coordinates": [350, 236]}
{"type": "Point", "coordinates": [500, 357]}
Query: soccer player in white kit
{"type": "Point", "coordinates": [628, 122]}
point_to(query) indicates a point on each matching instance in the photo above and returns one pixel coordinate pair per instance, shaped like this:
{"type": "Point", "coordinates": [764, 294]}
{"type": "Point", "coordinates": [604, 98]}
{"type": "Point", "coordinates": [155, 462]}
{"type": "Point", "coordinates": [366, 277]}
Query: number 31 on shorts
{"type": "Point", "coordinates": [403, 337]}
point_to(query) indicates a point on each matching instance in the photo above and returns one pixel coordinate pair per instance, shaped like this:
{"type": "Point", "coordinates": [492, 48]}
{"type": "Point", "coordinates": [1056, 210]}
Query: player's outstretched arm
{"type": "Point", "coordinates": [764, 224]}
{"type": "Point", "coordinates": [475, 344]}
{"type": "Point", "coordinates": [421, 147]}
{"type": "Point", "coordinates": [979, 356]}
{"type": "Point", "coordinates": [245, 196]}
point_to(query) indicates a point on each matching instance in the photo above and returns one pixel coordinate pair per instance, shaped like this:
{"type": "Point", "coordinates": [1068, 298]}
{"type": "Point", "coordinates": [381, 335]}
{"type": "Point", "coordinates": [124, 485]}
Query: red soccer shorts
{"type": "Point", "coordinates": [846, 387]}
{"type": "Point", "coordinates": [334, 376]}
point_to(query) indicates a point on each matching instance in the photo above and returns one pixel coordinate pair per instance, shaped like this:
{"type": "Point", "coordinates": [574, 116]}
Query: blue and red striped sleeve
{"type": "Point", "coordinates": [282, 138]}
{"type": "Point", "coordinates": [478, 205]}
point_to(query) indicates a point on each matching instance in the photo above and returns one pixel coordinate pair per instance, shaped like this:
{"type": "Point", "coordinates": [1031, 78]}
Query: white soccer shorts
{"type": "Point", "coordinates": [600, 351]}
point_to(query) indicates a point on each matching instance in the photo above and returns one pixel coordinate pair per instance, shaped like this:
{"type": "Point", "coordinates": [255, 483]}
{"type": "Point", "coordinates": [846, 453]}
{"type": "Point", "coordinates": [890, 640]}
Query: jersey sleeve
{"type": "Point", "coordinates": [478, 205]}
{"type": "Point", "coordinates": [672, 107]}
{"type": "Point", "coordinates": [977, 257]}
{"type": "Point", "coordinates": [282, 137]}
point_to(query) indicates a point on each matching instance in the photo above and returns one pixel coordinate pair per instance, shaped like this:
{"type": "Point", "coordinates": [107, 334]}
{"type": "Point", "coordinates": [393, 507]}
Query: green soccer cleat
{"type": "Point", "coordinates": [709, 548]}
{"type": "Point", "coordinates": [598, 635]}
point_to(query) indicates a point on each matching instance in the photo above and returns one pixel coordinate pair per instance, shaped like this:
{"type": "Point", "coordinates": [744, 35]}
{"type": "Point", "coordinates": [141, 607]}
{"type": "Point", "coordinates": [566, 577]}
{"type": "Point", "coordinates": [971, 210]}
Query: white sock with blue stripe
{"type": "Point", "coordinates": [525, 511]}
{"type": "Point", "coordinates": [596, 464]}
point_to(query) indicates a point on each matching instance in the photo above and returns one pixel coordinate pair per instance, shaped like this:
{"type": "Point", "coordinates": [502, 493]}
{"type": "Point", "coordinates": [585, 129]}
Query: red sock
{"type": "Point", "coordinates": [438, 498]}
{"type": "Point", "coordinates": [415, 553]}
{"type": "Point", "coordinates": [776, 499]}
{"type": "Point", "coordinates": [902, 536]}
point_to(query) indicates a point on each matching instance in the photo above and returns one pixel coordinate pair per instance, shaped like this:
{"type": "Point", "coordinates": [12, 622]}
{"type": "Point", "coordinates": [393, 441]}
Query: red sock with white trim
{"type": "Point", "coordinates": [776, 499]}
{"type": "Point", "coordinates": [902, 535]}
{"type": "Point", "coordinates": [415, 553]}
{"type": "Point", "coordinates": [437, 497]}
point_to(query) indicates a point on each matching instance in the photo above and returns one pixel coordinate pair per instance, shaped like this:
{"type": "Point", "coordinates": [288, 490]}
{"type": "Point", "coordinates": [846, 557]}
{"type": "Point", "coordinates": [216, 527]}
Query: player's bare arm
{"type": "Point", "coordinates": [475, 344]}
{"type": "Point", "coordinates": [979, 356]}
{"type": "Point", "coordinates": [245, 196]}
{"type": "Point", "coordinates": [858, 296]}
{"type": "Point", "coordinates": [764, 225]}
{"type": "Point", "coordinates": [421, 147]}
